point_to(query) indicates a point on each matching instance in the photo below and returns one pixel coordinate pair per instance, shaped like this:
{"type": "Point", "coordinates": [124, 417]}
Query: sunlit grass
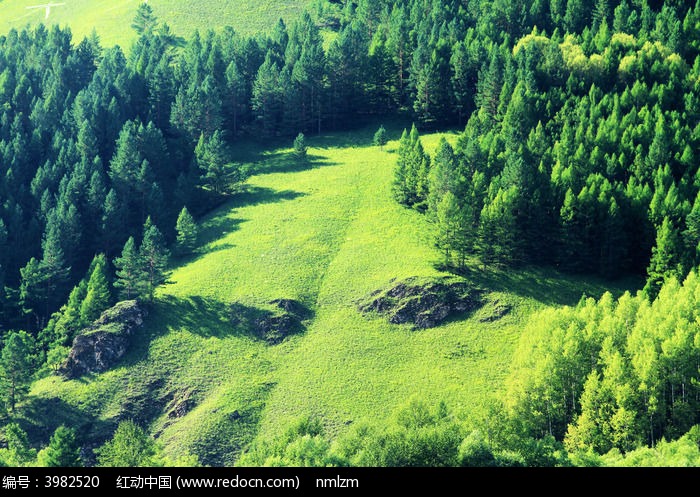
{"type": "Point", "coordinates": [327, 233]}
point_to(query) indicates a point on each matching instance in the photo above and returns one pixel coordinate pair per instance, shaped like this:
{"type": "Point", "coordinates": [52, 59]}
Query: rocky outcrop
{"type": "Point", "coordinates": [272, 326]}
{"type": "Point", "coordinates": [100, 346]}
{"type": "Point", "coordinates": [425, 304]}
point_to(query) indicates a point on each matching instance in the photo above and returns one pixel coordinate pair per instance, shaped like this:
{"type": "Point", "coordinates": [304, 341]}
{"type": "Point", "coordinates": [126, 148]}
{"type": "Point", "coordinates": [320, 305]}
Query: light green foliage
{"type": "Point", "coordinates": [610, 374]}
{"type": "Point", "coordinates": [130, 447]}
{"type": "Point", "coordinates": [63, 450]}
{"type": "Point", "coordinates": [18, 452]}
{"type": "Point", "coordinates": [110, 19]}
{"type": "Point", "coordinates": [327, 237]}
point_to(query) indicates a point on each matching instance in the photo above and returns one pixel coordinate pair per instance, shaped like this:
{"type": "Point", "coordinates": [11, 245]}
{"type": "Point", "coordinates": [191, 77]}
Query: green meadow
{"type": "Point", "coordinates": [184, 16]}
{"type": "Point", "coordinates": [326, 233]}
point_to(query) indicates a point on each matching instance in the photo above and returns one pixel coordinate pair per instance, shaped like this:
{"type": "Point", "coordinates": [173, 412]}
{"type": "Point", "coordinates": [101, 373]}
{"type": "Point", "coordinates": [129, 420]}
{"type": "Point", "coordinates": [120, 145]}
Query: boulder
{"type": "Point", "coordinates": [100, 346]}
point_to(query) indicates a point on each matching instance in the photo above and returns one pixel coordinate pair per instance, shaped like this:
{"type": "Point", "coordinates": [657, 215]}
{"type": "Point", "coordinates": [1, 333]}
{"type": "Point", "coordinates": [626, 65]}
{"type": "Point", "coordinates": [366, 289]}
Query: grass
{"type": "Point", "coordinates": [183, 16]}
{"type": "Point", "coordinates": [325, 233]}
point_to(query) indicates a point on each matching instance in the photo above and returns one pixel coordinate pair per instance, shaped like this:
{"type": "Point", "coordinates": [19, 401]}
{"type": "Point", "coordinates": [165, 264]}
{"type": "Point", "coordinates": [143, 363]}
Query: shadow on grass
{"type": "Point", "coordinates": [201, 316]}
{"type": "Point", "coordinates": [287, 162]}
{"type": "Point", "coordinates": [40, 416]}
{"type": "Point", "coordinates": [256, 195]}
{"type": "Point", "coordinates": [212, 318]}
{"type": "Point", "coordinates": [545, 285]}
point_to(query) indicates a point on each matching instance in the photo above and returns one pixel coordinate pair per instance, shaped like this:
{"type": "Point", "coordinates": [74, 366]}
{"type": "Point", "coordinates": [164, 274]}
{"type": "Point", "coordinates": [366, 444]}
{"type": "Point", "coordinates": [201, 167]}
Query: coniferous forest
{"type": "Point", "coordinates": [574, 148]}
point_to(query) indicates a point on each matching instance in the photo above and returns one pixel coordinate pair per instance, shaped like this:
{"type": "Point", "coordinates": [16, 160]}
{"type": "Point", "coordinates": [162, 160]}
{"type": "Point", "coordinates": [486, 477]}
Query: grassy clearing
{"type": "Point", "coordinates": [183, 16]}
{"type": "Point", "coordinates": [326, 233]}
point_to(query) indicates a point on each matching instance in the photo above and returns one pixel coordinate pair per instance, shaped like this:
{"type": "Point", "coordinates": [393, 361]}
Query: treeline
{"type": "Point", "coordinates": [610, 375]}
{"type": "Point", "coordinates": [421, 435]}
{"type": "Point", "coordinates": [129, 447]}
{"type": "Point", "coordinates": [582, 149]}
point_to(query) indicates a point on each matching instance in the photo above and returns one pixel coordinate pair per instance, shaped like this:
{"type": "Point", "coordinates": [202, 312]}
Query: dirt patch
{"type": "Point", "coordinates": [424, 303]}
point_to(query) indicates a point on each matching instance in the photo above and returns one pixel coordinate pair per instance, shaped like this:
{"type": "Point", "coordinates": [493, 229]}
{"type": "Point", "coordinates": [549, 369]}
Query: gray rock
{"type": "Point", "coordinates": [423, 304]}
{"type": "Point", "coordinates": [100, 346]}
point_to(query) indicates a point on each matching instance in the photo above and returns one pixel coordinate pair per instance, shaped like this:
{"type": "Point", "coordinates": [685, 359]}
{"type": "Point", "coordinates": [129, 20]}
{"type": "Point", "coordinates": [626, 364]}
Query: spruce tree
{"type": "Point", "coordinates": [665, 261]}
{"type": "Point", "coordinates": [210, 156]}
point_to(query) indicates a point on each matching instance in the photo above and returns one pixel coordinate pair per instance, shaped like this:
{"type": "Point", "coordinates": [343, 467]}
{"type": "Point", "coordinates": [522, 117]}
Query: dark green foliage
{"type": "Point", "coordinates": [412, 171]}
{"type": "Point", "coordinates": [210, 155]}
{"type": "Point", "coordinates": [63, 450]}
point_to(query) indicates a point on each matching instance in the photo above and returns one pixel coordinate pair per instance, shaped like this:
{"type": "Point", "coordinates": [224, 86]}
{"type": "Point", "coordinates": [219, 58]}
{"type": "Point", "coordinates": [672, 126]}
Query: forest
{"type": "Point", "coordinates": [577, 149]}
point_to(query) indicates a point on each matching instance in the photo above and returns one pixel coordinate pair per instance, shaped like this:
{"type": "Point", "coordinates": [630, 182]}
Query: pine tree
{"type": "Point", "coordinates": [210, 157]}
{"type": "Point", "coordinates": [380, 137]}
{"type": "Point", "coordinates": [17, 363]}
{"type": "Point", "coordinates": [63, 450]}
{"type": "Point", "coordinates": [145, 21]}
{"type": "Point", "coordinates": [154, 257]}
{"type": "Point", "coordinates": [98, 297]}
{"type": "Point", "coordinates": [186, 232]}
{"type": "Point", "coordinates": [130, 277]}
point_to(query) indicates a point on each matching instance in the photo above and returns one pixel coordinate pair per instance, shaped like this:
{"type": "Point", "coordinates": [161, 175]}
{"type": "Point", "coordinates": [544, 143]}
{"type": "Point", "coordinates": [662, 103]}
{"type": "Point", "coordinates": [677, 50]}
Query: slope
{"type": "Point", "coordinates": [324, 233]}
{"type": "Point", "coordinates": [183, 16]}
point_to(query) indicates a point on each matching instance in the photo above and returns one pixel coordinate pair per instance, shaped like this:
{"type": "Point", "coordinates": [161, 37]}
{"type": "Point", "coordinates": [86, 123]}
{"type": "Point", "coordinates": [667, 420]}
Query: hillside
{"type": "Point", "coordinates": [326, 235]}
{"type": "Point", "coordinates": [111, 18]}
{"type": "Point", "coordinates": [211, 249]}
